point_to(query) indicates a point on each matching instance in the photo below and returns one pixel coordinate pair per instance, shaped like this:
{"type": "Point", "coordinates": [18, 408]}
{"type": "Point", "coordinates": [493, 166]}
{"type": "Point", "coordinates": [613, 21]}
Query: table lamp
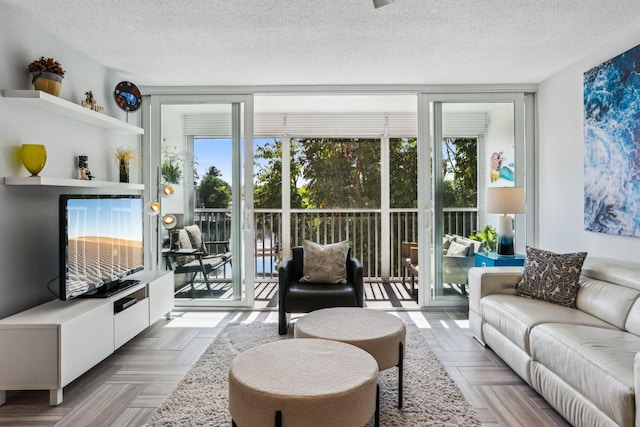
{"type": "Point", "coordinates": [505, 201]}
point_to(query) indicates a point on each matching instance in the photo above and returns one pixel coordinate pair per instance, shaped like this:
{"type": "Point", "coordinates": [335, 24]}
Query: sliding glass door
{"type": "Point", "coordinates": [202, 146]}
{"type": "Point", "coordinates": [468, 143]}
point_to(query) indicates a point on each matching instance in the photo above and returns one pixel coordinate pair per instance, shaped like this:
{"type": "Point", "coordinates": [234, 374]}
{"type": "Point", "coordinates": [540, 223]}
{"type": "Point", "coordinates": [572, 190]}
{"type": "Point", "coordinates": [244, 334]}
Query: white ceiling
{"type": "Point", "coordinates": [308, 42]}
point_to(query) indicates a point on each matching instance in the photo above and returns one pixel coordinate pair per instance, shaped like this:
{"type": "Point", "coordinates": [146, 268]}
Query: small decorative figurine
{"type": "Point", "coordinates": [91, 103]}
{"type": "Point", "coordinates": [85, 173]}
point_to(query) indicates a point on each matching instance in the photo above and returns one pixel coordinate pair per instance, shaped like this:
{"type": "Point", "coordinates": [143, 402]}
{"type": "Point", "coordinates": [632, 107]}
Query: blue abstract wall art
{"type": "Point", "coordinates": [612, 145]}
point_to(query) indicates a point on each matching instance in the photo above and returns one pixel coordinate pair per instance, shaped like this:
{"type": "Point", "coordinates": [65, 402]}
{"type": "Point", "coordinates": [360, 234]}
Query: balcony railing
{"type": "Point", "coordinates": [362, 227]}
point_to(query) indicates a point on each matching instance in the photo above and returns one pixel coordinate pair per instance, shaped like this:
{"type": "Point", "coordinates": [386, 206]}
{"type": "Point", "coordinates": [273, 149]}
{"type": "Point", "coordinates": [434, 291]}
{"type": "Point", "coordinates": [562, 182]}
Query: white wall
{"type": "Point", "coordinates": [29, 256]}
{"type": "Point", "coordinates": [560, 157]}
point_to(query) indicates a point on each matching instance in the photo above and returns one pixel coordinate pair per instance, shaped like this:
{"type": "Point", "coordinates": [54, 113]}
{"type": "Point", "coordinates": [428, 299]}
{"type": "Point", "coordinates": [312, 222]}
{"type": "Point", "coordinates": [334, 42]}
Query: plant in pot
{"type": "Point", "coordinates": [123, 157]}
{"type": "Point", "coordinates": [488, 236]}
{"type": "Point", "coordinates": [47, 74]}
{"type": "Point", "coordinates": [172, 161]}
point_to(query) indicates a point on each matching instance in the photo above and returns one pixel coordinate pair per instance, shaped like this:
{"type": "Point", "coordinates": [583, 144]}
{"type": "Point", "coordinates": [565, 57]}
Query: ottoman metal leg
{"type": "Point", "coordinates": [400, 372]}
{"type": "Point", "coordinates": [376, 421]}
{"type": "Point", "coordinates": [278, 418]}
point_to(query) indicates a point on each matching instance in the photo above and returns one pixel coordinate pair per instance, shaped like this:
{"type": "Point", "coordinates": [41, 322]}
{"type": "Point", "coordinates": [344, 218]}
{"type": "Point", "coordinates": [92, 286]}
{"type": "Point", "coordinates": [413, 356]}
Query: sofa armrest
{"type": "Point", "coordinates": [485, 281]}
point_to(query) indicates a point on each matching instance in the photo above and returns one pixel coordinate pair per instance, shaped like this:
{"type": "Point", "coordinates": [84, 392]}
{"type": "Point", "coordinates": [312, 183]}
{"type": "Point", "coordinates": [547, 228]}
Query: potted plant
{"type": "Point", "coordinates": [123, 157]}
{"type": "Point", "coordinates": [47, 74]}
{"type": "Point", "coordinates": [488, 236]}
{"type": "Point", "coordinates": [172, 161]}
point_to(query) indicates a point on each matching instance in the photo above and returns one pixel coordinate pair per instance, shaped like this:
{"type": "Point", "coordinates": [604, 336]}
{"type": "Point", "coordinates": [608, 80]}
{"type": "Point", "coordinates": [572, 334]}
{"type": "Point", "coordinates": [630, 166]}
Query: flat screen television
{"type": "Point", "coordinates": [100, 243]}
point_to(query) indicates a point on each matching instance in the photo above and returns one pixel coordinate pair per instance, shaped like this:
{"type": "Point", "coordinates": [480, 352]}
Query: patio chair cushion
{"type": "Point", "coordinates": [195, 236]}
{"type": "Point", "coordinates": [184, 242]}
{"type": "Point", "coordinates": [325, 263]}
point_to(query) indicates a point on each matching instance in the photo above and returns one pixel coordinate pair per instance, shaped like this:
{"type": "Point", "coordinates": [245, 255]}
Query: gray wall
{"type": "Point", "coordinates": [29, 236]}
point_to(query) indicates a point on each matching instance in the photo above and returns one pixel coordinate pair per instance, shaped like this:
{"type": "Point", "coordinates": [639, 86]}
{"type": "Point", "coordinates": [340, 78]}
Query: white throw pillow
{"type": "Point", "coordinates": [457, 249]}
{"type": "Point", "coordinates": [325, 263]}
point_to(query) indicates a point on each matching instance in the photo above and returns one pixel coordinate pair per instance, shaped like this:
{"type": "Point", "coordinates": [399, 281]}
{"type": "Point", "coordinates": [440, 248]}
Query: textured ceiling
{"type": "Point", "coordinates": [307, 42]}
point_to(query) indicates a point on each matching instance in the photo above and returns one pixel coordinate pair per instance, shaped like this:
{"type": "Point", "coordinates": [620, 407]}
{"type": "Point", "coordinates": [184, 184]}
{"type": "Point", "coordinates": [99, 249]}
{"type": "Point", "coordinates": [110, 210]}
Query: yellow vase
{"type": "Point", "coordinates": [33, 156]}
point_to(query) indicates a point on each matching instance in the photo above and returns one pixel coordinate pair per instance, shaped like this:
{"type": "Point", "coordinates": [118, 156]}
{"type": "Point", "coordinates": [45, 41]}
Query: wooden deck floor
{"type": "Point", "coordinates": [126, 388]}
{"type": "Point", "coordinates": [376, 294]}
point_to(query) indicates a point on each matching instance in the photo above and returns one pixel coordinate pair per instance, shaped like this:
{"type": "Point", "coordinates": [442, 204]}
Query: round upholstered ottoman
{"type": "Point", "coordinates": [303, 382]}
{"type": "Point", "coordinates": [378, 333]}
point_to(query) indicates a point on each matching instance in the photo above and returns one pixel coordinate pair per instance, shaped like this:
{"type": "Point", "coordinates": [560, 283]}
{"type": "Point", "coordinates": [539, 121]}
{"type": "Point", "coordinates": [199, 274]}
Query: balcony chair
{"type": "Point", "coordinates": [298, 296]}
{"type": "Point", "coordinates": [191, 255]}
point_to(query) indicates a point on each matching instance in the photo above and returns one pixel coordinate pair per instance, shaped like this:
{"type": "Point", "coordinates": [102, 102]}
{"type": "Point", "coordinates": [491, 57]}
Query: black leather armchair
{"type": "Point", "coordinates": [300, 297]}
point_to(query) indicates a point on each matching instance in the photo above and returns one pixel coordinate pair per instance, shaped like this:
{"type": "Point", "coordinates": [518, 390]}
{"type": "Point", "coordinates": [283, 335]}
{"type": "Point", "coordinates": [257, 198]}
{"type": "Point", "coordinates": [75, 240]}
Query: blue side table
{"type": "Point", "coordinates": [492, 259]}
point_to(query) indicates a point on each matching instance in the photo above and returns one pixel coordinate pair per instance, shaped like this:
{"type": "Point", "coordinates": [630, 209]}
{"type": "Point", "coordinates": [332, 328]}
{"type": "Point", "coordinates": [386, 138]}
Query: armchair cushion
{"type": "Point", "coordinates": [325, 263]}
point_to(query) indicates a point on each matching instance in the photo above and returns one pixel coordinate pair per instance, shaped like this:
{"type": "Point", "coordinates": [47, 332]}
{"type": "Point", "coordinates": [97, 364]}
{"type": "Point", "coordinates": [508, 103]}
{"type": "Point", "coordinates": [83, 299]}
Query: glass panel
{"type": "Point", "coordinates": [203, 169]}
{"type": "Point", "coordinates": [475, 151]}
{"type": "Point", "coordinates": [403, 200]}
{"type": "Point", "coordinates": [267, 199]}
{"type": "Point", "coordinates": [339, 173]}
{"type": "Point", "coordinates": [336, 195]}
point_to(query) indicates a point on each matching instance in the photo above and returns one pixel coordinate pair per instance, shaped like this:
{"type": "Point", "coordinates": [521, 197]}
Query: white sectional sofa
{"type": "Point", "coordinates": [584, 361]}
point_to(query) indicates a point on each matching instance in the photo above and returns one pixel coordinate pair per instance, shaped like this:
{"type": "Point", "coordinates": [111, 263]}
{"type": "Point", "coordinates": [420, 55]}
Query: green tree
{"type": "Point", "coordinates": [268, 176]}
{"type": "Point", "coordinates": [341, 173]}
{"type": "Point", "coordinates": [460, 162]}
{"type": "Point", "coordinates": [403, 159]}
{"type": "Point", "coordinates": [214, 192]}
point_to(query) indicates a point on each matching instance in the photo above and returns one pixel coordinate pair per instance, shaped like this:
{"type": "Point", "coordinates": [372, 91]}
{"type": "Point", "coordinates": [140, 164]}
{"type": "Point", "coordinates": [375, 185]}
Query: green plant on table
{"type": "Point", "coordinates": [488, 237]}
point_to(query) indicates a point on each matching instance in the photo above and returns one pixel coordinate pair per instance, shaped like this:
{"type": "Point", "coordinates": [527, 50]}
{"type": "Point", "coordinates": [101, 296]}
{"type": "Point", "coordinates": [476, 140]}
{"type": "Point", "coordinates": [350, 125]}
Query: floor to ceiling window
{"type": "Point", "coordinates": [332, 168]}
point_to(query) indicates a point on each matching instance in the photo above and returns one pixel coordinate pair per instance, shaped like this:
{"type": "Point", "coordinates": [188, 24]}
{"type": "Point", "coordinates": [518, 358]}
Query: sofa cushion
{"type": "Point", "coordinates": [325, 264]}
{"type": "Point", "coordinates": [515, 316]}
{"type": "Point", "coordinates": [596, 362]}
{"type": "Point", "coordinates": [551, 277]}
{"type": "Point", "coordinates": [474, 245]}
{"type": "Point", "coordinates": [605, 300]}
{"type": "Point", "coordinates": [457, 249]}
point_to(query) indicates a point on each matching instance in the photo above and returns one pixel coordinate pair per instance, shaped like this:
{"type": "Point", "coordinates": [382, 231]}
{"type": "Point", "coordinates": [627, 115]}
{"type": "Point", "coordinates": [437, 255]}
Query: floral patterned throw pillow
{"type": "Point", "coordinates": [324, 263]}
{"type": "Point", "coordinates": [551, 277]}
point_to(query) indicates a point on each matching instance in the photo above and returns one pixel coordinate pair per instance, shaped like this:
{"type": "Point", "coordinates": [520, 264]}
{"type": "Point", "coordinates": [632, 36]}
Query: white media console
{"type": "Point", "coordinates": [49, 346]}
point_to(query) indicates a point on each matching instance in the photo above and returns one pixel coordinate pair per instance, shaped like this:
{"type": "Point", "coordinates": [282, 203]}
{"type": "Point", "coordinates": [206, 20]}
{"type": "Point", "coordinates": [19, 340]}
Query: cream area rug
{"type": "Point", "coordinates": [431, 397]}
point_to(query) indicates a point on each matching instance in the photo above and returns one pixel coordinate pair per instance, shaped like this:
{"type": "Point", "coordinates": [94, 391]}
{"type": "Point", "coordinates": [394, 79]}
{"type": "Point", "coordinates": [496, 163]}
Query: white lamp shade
{"type": "Point", "coordinates": [169, 221]}
{"type": "Point", "coordinates": [152, 208]}
{"type": "Point", "coordinates": [505, 200]}
{"type": "Point", "coordinates": [166, 191]}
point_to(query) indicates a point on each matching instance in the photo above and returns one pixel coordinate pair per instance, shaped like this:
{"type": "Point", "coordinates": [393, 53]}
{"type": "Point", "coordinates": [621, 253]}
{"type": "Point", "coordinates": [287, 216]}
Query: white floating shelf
{"type": "Point", "coordinates": [66, 182]}
{"type": "Point", "coordinates": [68, 109]}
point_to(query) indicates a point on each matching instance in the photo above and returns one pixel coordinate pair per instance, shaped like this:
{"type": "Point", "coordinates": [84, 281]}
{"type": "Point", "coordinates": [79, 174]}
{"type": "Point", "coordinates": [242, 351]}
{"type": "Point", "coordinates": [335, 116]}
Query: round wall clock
{"type": "Point", "coordinates": [127, 96]}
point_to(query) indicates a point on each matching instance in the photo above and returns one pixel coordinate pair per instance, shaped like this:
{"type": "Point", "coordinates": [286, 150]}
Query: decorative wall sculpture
{"type": "Point", "coordinates": [612, 145]}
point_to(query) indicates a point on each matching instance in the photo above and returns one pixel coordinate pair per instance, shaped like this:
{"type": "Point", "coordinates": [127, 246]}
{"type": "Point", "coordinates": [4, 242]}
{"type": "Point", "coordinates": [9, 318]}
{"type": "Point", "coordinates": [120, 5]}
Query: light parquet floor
{"type": "Point", "coordinates": [125, 389]}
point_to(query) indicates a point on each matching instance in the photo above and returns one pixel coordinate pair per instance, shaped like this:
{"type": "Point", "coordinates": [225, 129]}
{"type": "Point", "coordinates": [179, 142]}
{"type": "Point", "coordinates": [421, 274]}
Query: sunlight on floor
{"type": "Point", "coordinates": [198, 319]}
{"type": "Point", "coordinates": [419, 319]}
